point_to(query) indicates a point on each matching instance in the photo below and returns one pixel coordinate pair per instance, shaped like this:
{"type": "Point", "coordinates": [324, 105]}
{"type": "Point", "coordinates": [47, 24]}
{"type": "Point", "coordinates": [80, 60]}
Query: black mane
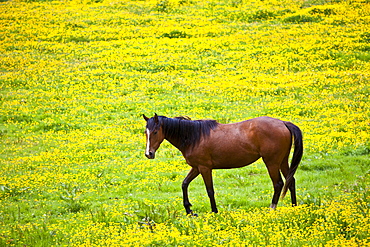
{"type": "Point", "coordinates": [185, 131]}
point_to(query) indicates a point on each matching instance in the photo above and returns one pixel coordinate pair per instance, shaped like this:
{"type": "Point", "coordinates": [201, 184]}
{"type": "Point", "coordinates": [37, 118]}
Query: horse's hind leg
{"type": "Point", "coordinates": [277, 181]}
{"type": "Point", "coordinates": [292, 188]}
{"type": "Point", "coordinates": [278, 186]}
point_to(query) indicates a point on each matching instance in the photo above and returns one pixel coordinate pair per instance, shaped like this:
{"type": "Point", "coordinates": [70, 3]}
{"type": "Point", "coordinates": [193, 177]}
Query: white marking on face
{"type": "Point", "coordinates": [147, 142]}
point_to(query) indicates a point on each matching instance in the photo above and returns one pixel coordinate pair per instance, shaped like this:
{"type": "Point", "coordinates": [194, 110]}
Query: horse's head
{"type": "Point", "coordinates": [154, 135]}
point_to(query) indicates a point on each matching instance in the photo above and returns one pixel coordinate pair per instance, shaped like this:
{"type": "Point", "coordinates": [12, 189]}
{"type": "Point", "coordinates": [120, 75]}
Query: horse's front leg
{"type": "Point", "coordinates": [193, 173]}
{"type": "Point", "coordinates": [207, 177]}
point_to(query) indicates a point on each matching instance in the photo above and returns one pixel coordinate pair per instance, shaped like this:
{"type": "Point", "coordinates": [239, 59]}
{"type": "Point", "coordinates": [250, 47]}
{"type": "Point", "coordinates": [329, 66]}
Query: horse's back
{"type": "Point", "coordinates": [240, 144]}
{"type": "Point", "coordinates": [260, 128]}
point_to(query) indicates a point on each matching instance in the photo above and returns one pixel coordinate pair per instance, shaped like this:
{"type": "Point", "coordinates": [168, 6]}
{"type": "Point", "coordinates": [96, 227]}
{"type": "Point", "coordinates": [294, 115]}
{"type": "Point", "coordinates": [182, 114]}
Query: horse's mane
{"type": "Point", "coordinates": [188, 132]}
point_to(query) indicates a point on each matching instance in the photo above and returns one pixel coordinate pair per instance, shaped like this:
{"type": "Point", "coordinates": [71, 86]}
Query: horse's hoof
{"type": "Point", "coordinates": [192, 214]}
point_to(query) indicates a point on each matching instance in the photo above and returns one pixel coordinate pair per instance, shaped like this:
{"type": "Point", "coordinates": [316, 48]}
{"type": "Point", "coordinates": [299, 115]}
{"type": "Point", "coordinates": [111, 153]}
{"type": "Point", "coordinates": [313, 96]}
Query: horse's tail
{"type": "Point", "coordinates": [297, 155]}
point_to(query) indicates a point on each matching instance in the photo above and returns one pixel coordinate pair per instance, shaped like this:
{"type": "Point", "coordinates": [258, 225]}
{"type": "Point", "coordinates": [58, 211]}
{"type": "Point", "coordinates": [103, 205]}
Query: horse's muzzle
{"type": "Point", "coordinates": [150, 155]}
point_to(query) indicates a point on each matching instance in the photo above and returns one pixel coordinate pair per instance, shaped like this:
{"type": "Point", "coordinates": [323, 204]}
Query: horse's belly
{"type": "Point", "coordinates": [233, 160]}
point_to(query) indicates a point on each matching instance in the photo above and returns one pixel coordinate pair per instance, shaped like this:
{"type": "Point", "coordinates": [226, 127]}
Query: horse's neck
{"type": "Point", "coordinates": [176, 143]}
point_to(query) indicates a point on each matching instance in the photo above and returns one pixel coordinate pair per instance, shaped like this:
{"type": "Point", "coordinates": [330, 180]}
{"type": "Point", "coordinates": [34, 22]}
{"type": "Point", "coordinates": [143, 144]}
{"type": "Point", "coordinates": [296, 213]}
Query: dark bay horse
{"type": "Point", "coordinates": [208, 145]}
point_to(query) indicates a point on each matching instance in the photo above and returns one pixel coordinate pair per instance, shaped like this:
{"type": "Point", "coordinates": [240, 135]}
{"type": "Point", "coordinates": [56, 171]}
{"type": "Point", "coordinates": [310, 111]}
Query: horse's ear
{"type": "Point", "coordinates": [156, 118]}
{"type": "Point", "coordinates": [145, 117]}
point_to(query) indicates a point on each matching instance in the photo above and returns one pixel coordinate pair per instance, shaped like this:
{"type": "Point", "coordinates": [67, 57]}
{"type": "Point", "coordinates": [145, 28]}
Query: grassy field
{"type": "Point", "coordinates": [75, 77]}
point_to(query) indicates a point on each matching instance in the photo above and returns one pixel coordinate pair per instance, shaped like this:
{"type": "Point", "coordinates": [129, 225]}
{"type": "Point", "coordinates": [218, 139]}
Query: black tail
{"type": "Point", "coordinates": [297, 155]}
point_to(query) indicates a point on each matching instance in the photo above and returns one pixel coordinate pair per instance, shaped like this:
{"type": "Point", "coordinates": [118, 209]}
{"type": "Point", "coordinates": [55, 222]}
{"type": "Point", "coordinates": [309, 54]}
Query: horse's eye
{"type": "Point", "coordinates": [155, 132]}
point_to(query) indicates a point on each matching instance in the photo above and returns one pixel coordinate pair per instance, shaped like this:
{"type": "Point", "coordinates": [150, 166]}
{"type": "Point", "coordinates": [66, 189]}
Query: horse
{"type": "Point", "coordinates": [208, 145]}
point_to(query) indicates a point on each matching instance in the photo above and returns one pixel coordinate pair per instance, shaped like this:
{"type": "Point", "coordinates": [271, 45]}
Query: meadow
{"type": "Point", "coordinates": [76, 76]}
